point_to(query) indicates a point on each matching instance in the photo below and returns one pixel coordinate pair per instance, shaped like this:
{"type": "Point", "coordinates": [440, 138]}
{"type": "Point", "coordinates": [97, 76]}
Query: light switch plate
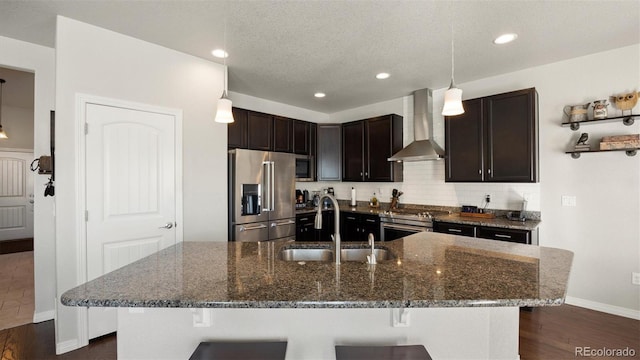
{"type": "Point", "coordinates": [635, 278]}
{"type": "Point", "coordinates": [568, 200]}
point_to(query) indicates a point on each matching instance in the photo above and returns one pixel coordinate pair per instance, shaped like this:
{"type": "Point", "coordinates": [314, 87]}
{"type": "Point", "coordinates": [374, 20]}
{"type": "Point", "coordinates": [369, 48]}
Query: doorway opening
{"type": "Point", "coordinates": [17, 292]}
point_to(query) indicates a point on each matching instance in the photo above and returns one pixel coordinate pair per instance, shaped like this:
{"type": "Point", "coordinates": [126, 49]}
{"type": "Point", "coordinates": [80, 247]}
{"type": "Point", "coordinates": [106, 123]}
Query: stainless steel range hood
{"type": "Point", "coordinates": [422, 148]}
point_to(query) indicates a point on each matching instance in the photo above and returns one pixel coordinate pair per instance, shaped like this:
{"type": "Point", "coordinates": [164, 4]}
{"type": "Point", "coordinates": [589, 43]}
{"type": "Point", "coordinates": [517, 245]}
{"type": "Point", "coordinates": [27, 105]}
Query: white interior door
{"type": "Point", "coordinates": [130, 192]}
{"type": "Point", "coordinates": [16, 196]}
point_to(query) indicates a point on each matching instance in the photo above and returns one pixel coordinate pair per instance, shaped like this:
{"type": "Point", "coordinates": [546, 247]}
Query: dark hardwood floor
{"type": "Point", "coordinates": [549, 333]}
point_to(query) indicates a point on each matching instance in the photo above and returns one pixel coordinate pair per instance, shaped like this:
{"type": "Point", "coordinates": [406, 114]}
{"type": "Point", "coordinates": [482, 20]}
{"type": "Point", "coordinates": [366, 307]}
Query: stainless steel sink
{"type": "Point", "coordinates": [322, 254]}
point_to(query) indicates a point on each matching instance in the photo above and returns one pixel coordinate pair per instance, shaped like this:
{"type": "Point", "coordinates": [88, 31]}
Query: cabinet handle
{"type": "Point", "coordinates": [366, 174]}
{"type": "Point", "coordinates": [350, 218]}
{"type": "Point", "coordinates": [303, 219]}
{"type": "Point", "coordinates": [370, 220]}
{"type": "Point", "coordinates": [503, 236]}
{"type": "Point", "coordinates": [480, 172]}
{"type": "Point", "coordinates": [455, 230]}
{"type": "Point", "coordinates": [360, 173]}
{"type": "Point", "coordinates": [489, 171]}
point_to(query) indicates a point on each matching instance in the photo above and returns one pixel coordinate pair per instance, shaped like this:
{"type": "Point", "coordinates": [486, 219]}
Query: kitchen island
{"type": "Point", "coordinates": [458, 296]}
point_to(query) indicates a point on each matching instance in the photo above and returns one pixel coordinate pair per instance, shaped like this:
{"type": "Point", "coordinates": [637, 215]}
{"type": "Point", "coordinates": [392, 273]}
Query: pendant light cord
{"type": "Point", "coordinates": [452, 55]}
{"type": "Point", "coordinates": [226, 53]}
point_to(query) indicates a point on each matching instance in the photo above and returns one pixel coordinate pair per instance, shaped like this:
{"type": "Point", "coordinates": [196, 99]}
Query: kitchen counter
{"type": "Point", "coordinates": [457, 296]}
{"type": "Point", "coordinates": [501, 222]}
{"type": "Point", "coordinates": [429, 270]}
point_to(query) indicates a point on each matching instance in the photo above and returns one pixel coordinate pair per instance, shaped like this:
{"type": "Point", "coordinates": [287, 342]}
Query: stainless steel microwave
{"type": "Point", "coordinates": [305, 168]}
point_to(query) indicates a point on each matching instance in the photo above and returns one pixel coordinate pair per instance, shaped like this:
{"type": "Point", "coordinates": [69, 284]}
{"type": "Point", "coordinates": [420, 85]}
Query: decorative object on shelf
{"type": "Point", "coordinates": [600, 109]}
{"type": "Point", "coordinates": [620, 142]}
{"type": "Point", "coordinates": [3, 135]}
{"type": "Point", "coordinates": [581, 144]}
{"type": "Point", "coordinates": [576, 112]}
{"type": "Point", "coordinates": [625, 102]}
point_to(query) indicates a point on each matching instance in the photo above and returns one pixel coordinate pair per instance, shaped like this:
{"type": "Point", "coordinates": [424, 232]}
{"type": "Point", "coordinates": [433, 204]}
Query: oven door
{"type": "Point", "coordinates": [392, 231]}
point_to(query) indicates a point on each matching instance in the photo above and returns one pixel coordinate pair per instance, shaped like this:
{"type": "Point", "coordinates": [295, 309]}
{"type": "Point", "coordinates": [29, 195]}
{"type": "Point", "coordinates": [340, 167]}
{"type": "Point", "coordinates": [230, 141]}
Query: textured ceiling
{"type": "Point", "coordinates": [286, 51]}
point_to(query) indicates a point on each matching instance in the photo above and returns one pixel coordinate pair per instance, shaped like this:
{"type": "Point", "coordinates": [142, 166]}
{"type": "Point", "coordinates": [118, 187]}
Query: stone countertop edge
{"type": "Point", "coordinates": [428, 270]}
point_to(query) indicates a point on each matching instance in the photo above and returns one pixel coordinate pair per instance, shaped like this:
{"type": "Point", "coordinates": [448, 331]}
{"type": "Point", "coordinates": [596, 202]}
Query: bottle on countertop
{"type": "Point", "coordinates": [353, 196]}
{"type": "Point", "coordinates": [374, 200]}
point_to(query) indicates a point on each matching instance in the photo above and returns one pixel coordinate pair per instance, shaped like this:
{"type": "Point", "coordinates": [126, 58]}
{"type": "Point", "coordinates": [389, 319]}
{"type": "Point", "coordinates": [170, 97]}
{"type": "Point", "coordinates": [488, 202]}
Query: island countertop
{"type": "Point", "coordinates": [428, 270]}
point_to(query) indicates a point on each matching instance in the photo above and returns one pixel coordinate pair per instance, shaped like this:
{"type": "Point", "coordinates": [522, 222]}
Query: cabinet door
{"type": "Point", "coordinates": [350, 227]}
{"type": "Point", "coordinates": [237, 130]}
{"type": "Point", "coordinates": [301, 137]}
{"type": "Point", "coordinates": [370, 224]}
{"type": "Point", "coordinates": [511, 137]}
{"type": "Point", "coordinates": [454, 229]}
{"type": "Point", "coordinates": [353, 151]}
{"type": "Point", "coordinates": [379, 147]}
{"type": "Point", "coordinates": [260, 131]}
{"type": "Point", "coordinates": [510, 235]}
{"type": "Point", "coordinates": [282, 134]}
{"type": "Point", "coordinates": [464, 143]}
{"type": "Point", "coordinates": [329, 157]}
{"type": "Point", "coordinates": [328, 228]}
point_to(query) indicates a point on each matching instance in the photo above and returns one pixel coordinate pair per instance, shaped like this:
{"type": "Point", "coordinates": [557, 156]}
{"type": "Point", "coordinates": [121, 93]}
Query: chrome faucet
{"type": "Point", "coordinates": [336, 224]}
{"type": "Point", "coordinates": [371, 259]}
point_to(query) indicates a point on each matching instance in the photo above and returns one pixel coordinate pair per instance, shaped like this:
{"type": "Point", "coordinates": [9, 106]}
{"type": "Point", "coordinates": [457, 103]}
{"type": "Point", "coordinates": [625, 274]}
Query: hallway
{"type": "Point", "coordinates": [16, 289]}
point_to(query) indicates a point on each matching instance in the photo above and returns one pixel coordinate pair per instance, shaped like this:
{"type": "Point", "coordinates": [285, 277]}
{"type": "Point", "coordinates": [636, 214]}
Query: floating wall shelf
{"type": "Point", "coordinates": [629, 152]}
{"type": "Point", "coordinates": [626, 119]}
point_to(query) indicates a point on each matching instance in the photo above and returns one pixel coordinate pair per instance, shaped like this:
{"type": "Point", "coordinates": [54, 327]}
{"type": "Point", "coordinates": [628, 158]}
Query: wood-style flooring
{"type": "Point", "coordinates": [549, 333]}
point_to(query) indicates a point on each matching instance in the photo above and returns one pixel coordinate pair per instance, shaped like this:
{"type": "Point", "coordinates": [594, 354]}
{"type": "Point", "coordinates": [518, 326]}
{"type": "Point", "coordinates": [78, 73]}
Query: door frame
{"type": "Point", "coordinates": [82, 100]}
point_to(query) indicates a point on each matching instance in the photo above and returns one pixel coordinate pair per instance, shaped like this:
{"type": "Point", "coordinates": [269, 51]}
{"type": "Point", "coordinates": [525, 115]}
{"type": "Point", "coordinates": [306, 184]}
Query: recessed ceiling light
{"type": "Point", "coordinates": [319, 95]}
{"type": "Point", "coordinates": [382, 76]}
{"type": "Point", "coordinates": [505, 38]}
{"type": "Point", "coordinates": [219, 53]}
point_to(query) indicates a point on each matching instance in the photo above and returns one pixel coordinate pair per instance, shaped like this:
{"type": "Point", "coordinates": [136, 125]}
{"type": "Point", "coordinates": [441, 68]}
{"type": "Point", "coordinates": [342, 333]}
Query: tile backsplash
{"type": "Point", "coordinates": [424, 184]}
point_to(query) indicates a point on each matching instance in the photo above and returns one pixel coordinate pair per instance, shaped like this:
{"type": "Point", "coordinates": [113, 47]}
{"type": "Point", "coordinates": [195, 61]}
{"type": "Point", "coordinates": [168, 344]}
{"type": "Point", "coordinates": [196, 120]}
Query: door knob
{"type": "Point", "coordinates": [167, 226]}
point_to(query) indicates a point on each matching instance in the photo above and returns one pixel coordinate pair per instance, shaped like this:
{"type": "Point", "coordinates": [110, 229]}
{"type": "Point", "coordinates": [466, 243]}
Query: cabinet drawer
{"type": "Point", "coordinates": [454, 229]}
{"type": "Point", "coordinates": [511, 235]}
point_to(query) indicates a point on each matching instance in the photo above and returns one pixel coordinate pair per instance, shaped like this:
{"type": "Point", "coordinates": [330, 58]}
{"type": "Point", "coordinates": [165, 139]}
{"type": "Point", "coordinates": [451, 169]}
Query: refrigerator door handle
{"type": "Point", "coordinates": [272, 192]}
{"type": "Point", "coordinates": [266, 179]}
{"type": "Point", "coordinates": [286, 222]}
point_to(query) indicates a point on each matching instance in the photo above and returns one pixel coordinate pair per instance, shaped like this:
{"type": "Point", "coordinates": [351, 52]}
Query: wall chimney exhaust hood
{"type": "Point", "coordinates": [422, 148]}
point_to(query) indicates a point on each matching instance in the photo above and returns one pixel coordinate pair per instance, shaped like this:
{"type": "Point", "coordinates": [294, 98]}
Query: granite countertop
{"type": "Point", "coordinates": [428, 270]}
{"type": "Point", "coordinates": [501, 222]}
{"type": "Point", "coordinates": [454, 217]}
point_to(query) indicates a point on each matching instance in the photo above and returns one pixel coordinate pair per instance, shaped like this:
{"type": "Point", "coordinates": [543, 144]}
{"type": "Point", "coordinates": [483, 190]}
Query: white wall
{"type": "Point", "coordinates": [18, 124]}
{"type": "Point", "coordinates": [95, 61]}
{"type": "Point", "coordinates": [38, 59]}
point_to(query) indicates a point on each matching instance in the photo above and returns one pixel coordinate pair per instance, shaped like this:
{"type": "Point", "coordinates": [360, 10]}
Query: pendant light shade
{"type": "Point", "coordinates": [453, 101]}
{"type": "Point", "coordinates": [224, 114]}
{"type": "Point", "coordinates": [453, 95]}
{"type": "Point", "coordinates": [3, 135]}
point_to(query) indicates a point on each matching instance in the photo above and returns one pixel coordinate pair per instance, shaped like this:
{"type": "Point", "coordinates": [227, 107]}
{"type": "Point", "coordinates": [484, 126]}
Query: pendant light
{"type": "Point", "coordinates": [3, 135]}
{"type": "Point", "coordinates": [224, 114]}
{"type": "Point", "coordinates": [453, 95]}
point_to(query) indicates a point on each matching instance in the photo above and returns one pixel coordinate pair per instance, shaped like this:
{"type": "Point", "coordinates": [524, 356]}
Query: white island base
{"type": "Point", "coordinates": [447, 333]}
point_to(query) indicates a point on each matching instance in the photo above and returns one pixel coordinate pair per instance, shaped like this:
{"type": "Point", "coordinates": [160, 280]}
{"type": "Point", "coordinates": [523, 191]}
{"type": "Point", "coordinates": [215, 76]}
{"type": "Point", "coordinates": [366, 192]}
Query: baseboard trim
{"type": "Point", "coordinates": [66, 346]}
{"type": "Point", "coordinates": [44, 316]}
{"type": "Point", "coordinates": [609, 309]}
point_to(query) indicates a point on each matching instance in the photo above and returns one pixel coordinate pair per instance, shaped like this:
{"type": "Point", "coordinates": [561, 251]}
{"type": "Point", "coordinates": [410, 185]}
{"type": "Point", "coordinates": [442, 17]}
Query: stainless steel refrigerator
{"type": "Point", "coordinates": [261, 195]}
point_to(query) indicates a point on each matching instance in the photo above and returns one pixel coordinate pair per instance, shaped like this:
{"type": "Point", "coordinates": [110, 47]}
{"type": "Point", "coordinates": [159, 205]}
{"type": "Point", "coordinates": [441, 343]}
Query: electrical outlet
{"type": "Point", "coordinates": [526, 196]}
{"type": "Point", "coordinates": [487, 198]}
{"type": "Point", "coordinates": [568, 200]}
{"type": "Point", "coordinates": [635, 278]}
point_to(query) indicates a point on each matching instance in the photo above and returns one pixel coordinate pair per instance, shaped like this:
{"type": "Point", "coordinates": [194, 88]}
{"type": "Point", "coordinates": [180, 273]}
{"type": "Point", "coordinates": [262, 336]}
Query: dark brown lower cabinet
{"type": "Point", "coordinates": [357, 227]}
{"type": "Point", "coordinates": [487, 232]}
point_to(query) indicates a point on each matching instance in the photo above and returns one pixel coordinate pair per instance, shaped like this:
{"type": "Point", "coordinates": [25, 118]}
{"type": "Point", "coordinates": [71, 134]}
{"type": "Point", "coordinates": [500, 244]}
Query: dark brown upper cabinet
{"type": "Point", "coordinates": [366, 146]}
{"type": "Point", "coordinates": [301, 137]}
{"type": "Point", "coordinates": [259, 131]}
{"type": "Point", "coordinates": [329, 157]}
{"type": "Point", "coordinates": [237, 130]}
{"type": "Point", "coordinates": [495, 140]}
{"type": "Point", "coordinates": [282, 134]}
